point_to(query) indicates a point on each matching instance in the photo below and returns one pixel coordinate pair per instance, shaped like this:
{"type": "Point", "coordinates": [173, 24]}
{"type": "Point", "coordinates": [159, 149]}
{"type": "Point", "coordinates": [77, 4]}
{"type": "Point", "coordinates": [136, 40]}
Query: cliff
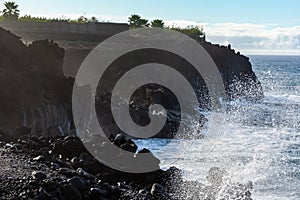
{"type": "Point", "coordinates": [239, 80]}
{"type": "Point", "coordinates": [36, 95]}
{"type": "Point", "coordinates": [34, 92]}
{"type": "Point", "coordinates": [30, 30]}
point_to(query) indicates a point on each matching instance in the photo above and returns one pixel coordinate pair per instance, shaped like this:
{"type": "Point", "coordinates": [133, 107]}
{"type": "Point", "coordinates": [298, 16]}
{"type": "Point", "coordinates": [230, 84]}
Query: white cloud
{"type": "Point", "coordinates": [256, 38]}
{"type": "Point", "coordinates": [235, 30]}
{"type": "Point", "coordinates": [250, 38]}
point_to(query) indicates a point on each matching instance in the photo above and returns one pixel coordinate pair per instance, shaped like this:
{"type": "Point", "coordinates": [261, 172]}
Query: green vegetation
{"type": "Point", "coordinates": [10, 12]}
{"type": "Point", "coordinates": [93, 19]}
{"type": "Point", "coordinates": [192, 31]}
{"type": "Point", "coordinates": [157, 23]}
{"type": "Point", "coordinates": [135, 21]}
{"type": "Point", "coordinates": [40, 19]}
{"type": "Point", "coordinates": [81, 19]}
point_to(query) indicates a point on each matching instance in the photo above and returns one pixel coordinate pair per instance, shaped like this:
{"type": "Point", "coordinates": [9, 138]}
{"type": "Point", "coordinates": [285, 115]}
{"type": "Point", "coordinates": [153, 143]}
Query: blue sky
{"type": "Point", "coordinates": [253, 27]}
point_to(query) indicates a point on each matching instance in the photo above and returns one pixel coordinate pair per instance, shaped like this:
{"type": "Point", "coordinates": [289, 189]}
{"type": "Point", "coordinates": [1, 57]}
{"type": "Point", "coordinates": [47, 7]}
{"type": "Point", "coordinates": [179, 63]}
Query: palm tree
{"type": "Point", "coordinates": [135, 21]}
{"type": "Point", "coordinates": [11, 10]}
{"type": "Point", "coordinates": [157, 23]}
{"type": "Point", "coordinates": [93, 19]}
{"type": "Point", "coordinates": [82, 19]}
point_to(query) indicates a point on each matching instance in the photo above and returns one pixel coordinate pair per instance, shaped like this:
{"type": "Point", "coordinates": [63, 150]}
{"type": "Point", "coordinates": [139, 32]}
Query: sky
{"type": "Point", "coordinates": [251, 27]}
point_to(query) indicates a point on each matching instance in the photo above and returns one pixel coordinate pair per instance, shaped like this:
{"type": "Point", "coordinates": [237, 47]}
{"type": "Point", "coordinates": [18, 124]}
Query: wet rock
{"type": "Point", "coordinates": [96, 193]}
{"type": "Point", "coordinates": [54, 165]}
{"type": "Point", "coordinates": [70, 147]}
{"type": "Point", "coordinates": [77, 163]}
{"type": "Point", "coordinates": [143, 191]}
{"type": "Point", "coordinates": [67, 172]}
{"type": "Point", "coordinates": [85, 174]}
{"type": "Point", "coordinates": [53, 181]}
{"type": "Point", "coordinates": [74, 160]}
{"type": "Point", "coordinates": [79, 183]}
{"type": "Point", "coordinates": [122, 185]}
{"type": "Point", "coordinates": [120, 139]}
{"type": "Point", "coordinates": [70, 193]}
{"type": "Point", "coordinates": [249, 185]}
{"type": "Point", "coordinates": [39, 159]}
{"type": "Point", "coordinates": [85, 156]}
{"type": "Point", "coordinates": [43, 194]}
{"type": "Point", "coordinates": [11, 147]}
{"type": "Point", "coordinates": [58, 193]}
{"type": "Point", "coordinates": [158, 190]}
{"type": "Point", "coordinates": [129, 146]}
{"type": "Point", "coordinates": [38, 175]}
{"type": "Point", "coordinates": [59, 179]}
{"type": "Point", "coordinates": [20, 141]}
{"type": "Point", "coordinates": [36, 140]}
{"type": "Point", "coordinates": [50, 185]}
{"type": "Point", "coordinates": [216, 175]}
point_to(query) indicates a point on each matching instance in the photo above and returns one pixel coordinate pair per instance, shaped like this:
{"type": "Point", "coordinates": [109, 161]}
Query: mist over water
{"type": "Point", "coordinates": [253, 141]}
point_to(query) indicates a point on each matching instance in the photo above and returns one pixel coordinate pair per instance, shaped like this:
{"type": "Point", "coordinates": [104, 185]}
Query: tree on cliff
{"type": "Point", "coordinates": [93, 19]}
{"type": "Point", "coordinates": [82, 19]}
{"type": "Point", "coordinates": [192, 31]}
{"type": "Point", "coordinates": [11, 11]}
{"type": "Point", "coordinates": [157, 23]}
{"type": "Point", "coordinates": [135, 21]}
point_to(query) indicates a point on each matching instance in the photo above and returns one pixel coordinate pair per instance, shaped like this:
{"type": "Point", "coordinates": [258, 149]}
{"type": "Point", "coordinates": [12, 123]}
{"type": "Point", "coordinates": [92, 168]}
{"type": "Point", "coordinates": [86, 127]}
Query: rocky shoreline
{"type": "Point", "coordinates": [61, 168]}
{"type": "Point", "coordinates": [40, 156]}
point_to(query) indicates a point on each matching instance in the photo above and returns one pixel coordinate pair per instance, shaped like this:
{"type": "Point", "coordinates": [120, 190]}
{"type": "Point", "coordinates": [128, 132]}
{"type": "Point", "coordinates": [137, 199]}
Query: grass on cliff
{"type": "Point", "coordinates": [192, 31]}
{"type": "Point", "coordinates": [29, 18]}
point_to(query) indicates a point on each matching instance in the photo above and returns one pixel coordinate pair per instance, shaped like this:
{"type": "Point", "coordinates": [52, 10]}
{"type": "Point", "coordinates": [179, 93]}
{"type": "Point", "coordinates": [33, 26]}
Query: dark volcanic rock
{"type": "Point", "coordinates": [39, 159]}
{"type": "Point", "coordinates": [97, 193]}
{"type": "Point", "coordinates": [239, 80]}
{"type": "Point", "coordinates": [79, 183]}
{"type": "Point", "coordinates": [34, 92]}
{"type": "Point", "coordinates": [47, 180]}
{"type": "Point", "coordinates": [70, 193]}
{"type": "Point", "coordinates": [39, 175]}
{"type": "Point", "coordinates": [158, 190]}
{"type": "Point", "coordinates": [43, 181]}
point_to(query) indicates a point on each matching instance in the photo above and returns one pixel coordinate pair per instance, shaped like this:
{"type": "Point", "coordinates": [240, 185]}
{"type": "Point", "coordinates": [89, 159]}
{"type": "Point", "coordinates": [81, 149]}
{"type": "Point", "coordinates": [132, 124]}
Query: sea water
{"type": "Point", "coordinates": [253, 141]}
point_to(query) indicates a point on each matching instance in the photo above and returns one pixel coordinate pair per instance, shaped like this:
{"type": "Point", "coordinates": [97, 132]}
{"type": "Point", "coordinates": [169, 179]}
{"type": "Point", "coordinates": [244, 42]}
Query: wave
{"type": "Point", "coordinates": [283, 98]}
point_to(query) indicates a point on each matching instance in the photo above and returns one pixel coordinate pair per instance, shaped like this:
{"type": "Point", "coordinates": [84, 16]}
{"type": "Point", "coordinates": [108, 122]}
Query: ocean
{"type": "Point", "coordinates": [253, 141]}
